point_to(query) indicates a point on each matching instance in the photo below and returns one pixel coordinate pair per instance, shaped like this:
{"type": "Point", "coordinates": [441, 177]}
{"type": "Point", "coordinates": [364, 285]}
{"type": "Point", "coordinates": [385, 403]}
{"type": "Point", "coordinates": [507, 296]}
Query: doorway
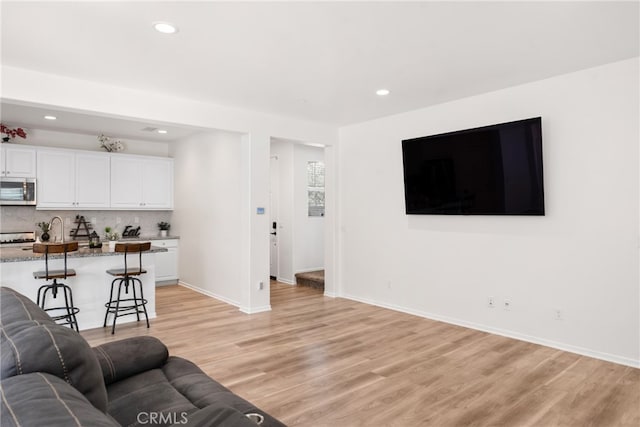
{"type": "Point", "coordinates": [297, 211]}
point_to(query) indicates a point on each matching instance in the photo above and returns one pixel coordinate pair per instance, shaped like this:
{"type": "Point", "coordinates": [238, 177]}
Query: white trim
{"type": "Point", "coordinates": [285, 281]}
{"type": "Point", "coordinates": [330, 294]}
{"type": "Point", "coordinates": [209, 293]}
{"type": "Point", "coordinates": [262, 309]}
{"type": "Point", "coordinates": [505, 333]}
{"type": "Point", "coordinates": [93, 325]}
{"type": "Point", "coordinates": [226, 300]}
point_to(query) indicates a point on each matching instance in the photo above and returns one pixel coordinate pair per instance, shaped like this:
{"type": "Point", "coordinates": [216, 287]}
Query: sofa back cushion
{"type": "Point", "coordinates": [15, 307]}
{"type": "Point", "coordinates": [41, 399]}
{"type": "Point", "coordinates": [31, 343]}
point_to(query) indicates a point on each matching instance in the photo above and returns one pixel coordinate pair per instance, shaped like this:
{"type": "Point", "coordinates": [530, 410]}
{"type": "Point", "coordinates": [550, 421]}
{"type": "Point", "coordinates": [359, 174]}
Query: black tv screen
{"type": "Point", "coordinates": [491, 170]}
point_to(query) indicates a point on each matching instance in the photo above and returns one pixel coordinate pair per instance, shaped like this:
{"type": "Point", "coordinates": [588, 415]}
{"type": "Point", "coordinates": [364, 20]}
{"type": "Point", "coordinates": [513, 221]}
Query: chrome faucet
{"type": "Point", "coordinates": [61, 228]}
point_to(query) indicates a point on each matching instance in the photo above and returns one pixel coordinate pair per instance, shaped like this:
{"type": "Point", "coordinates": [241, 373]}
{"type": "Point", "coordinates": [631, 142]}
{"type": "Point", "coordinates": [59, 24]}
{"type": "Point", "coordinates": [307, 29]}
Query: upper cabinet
{"type": "Point", "coordinates": [141, 182]}
{"type": "Point", "coordinates": [72, 179]}
{"type": "Point", "coordinates": [18, 162]}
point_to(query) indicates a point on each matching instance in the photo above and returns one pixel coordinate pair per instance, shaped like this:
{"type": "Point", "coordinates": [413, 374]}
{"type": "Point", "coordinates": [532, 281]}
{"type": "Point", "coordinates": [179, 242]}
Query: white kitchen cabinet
{"type": "Point", "coordinates": [18, 162]}
{"type": "Point", "coordinates": [71, 180]}
{"type": "Point", "coordinates": [141, 182]}
{"type": "Point", "coordinates": [167, 262]}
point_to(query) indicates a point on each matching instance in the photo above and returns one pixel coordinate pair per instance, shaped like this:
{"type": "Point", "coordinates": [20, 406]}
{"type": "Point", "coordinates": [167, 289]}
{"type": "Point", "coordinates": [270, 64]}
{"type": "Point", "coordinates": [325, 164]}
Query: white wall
{"type": "Point", "coordinates": [206, 216]}
{"type": "Point", "coordinates": [77, 141]}
{"type": "Point", "coordinates": [308, 233]}
{"type": "Point", "coordinates": [581, 258]}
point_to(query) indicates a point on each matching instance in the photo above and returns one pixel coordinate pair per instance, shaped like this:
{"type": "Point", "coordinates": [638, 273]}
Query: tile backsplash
{"type": "Point", "coordinates": [25, 218]}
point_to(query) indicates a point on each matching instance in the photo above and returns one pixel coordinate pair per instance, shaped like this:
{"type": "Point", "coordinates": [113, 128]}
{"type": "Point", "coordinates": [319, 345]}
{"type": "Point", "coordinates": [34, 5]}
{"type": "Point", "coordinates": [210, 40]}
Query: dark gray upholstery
{"type": "Point", "coordinates": [130, 356]}
{"type": "Point", "coordinates": [40, 399]}
{"type": "Point", "coordinates": [32, 343]}
{"type": "Point", "coordinates": [50, 376]}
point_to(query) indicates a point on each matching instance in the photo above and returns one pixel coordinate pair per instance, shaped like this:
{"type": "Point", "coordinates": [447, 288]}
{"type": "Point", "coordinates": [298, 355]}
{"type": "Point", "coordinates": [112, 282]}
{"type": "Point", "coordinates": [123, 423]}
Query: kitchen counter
{"type": "Point", "coordinates": [18, 254]}
{"type": "Point", "coordinates": [91, 284]}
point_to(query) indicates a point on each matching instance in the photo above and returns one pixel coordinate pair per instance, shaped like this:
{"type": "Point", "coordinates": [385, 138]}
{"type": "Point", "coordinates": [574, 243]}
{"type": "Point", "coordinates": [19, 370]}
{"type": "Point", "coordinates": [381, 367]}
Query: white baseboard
{"type": "Point", "coordinates": [209, 293]}
{"type": "Point", "coordinates": [243, 309]}
{"type": "Point", "coordinates": [262, 309]}
{"type": "Point", "coordinates": [505, 333]}
{"type": "Point", "coordinates": [285, 281]}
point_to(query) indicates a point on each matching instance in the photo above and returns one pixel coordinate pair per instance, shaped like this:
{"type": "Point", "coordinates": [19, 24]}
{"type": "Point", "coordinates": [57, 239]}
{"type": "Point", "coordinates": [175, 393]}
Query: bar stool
{"type": "Point", "coordinates": [66, 313]}
{"type": "Point", "coordinates": [123, 304]}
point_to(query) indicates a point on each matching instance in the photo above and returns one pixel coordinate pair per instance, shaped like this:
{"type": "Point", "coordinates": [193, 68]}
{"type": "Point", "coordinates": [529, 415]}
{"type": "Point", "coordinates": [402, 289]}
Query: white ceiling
{"type": "Point", "coordinates": [320, 61]}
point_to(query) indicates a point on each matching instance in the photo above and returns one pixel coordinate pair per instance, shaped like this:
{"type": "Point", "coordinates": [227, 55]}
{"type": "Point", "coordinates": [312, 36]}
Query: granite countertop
{"type": "Point", "coordinates": [19, 254]}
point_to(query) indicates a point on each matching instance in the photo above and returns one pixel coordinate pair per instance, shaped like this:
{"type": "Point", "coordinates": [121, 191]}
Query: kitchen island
{"type": "Point", "coordinates": [91, 284]}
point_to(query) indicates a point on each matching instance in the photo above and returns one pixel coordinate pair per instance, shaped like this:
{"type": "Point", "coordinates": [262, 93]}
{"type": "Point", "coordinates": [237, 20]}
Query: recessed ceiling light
{"type": "Point", "coordinates": [50, 117]}
{"type": "Point", "coordinates": [162, 131]}
{"type": "Point", "coordinates": [165, 27]}
{"type": "Point", "coordinates": [382, 92]}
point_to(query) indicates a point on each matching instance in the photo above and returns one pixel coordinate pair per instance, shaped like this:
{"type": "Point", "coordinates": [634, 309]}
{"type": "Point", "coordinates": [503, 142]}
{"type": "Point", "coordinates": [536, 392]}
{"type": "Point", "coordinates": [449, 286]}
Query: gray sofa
{"type": "Point", "coordinates": [51, 376]}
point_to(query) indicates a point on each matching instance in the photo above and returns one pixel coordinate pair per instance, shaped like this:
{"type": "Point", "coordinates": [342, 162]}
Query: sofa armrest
{"type": "Point", "coordinates": [125, 358]}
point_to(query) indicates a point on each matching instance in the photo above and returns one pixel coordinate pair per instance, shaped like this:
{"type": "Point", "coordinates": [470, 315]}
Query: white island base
{"type": "Point", "coordinates": [90, 286]}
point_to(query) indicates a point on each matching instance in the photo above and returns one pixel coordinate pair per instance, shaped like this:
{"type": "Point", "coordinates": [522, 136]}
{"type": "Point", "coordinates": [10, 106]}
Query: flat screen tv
{"type": "Point", "coordinates": [490, 170]}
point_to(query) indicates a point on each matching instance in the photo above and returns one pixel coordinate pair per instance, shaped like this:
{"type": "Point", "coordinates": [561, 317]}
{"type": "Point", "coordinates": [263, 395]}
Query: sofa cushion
{"type": "Point", "coordinates": [203, 391]}
{"type": "Point", "coordinates": [29, 346]}
{"type": "Point", "coordinates": [146, 392]}
{"type": "Point", "coordinates": [41, 399]}
{"type": "Point", "coordinates": [130, 356]}
{"type": "Point", "coordinates": [178, 387]}
{"type": "Point", "coordinates": [15, 307]}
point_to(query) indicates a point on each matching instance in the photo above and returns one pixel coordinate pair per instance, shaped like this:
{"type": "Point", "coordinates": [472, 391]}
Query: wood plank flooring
{"type": "Point", "coordinates": [317, 361]}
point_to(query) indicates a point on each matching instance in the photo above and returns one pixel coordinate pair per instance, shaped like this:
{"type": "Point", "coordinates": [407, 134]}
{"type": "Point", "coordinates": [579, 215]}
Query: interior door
{"type": "Point", "coordinates": [273, 204]}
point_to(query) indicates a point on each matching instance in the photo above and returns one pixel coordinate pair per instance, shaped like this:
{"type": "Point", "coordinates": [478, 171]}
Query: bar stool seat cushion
{"type": "Point", "coordinates": [120, 272]}
{"type": "Point", "coordinates": [54, 274]}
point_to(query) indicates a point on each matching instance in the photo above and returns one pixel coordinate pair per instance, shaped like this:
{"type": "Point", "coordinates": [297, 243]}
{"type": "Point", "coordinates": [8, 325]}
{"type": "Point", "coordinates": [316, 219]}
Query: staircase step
{"type": "Point", "coordinates": [312, 279]}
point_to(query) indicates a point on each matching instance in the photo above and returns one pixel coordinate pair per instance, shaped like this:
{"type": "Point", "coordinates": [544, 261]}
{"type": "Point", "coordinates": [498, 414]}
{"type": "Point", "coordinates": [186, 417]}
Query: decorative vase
{"type": "Point", "coordinates": [44, 237]}
{"type": "Point", "coordinates": [163, 233]}
{"type": "Point", "coordinates": [112, 244]}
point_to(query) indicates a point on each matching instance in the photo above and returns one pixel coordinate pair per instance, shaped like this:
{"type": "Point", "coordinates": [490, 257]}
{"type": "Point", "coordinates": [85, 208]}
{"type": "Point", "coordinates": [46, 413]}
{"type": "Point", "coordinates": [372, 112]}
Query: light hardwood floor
{"type": "Point", "coordinates": [317, 361]}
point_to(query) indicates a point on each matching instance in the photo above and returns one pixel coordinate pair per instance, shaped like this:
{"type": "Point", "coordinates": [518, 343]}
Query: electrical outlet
{"type": "Point", "coordinates": [136, 220]}
{"type": "Point", "coordinates": [260, 286]}
{"type": "Point", "coordinates": [491, 302]}
{"type": "Point", "coordinates": [94, 221]}
{"type": "Point", "coordinates": [67, 221]}
{"type": "Point", "coordinates": [389, 284]}
{"type": "Point", "coordinates": [557, 314]}
{"type": "Point", "coordinates": [507, 305]}
{"type": "Point", "coordinates": [118, 220]}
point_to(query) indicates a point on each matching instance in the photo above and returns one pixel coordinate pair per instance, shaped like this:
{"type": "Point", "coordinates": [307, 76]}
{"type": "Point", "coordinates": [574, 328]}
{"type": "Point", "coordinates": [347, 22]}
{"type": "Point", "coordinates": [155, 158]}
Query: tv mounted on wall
{"type": "Point", "coordinates": [490, 170]}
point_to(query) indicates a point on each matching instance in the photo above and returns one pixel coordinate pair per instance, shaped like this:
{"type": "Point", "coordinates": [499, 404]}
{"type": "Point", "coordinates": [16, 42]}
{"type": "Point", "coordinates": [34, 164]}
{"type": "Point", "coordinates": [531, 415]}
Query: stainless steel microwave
{"type": "Point", "coordinates": [17, 191]}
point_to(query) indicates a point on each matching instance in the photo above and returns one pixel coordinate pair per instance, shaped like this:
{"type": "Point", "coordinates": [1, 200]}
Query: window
{"type": "Point", "coordinates": [315, 188]}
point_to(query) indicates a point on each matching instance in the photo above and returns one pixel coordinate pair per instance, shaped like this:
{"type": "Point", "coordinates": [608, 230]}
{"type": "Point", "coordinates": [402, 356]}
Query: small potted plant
{"type": "Point", "coordinates": [164, 228]}
{"type": "Point", "coordinates": [111, 236]}
{"type": "Point", "coordinates": [44, 227]}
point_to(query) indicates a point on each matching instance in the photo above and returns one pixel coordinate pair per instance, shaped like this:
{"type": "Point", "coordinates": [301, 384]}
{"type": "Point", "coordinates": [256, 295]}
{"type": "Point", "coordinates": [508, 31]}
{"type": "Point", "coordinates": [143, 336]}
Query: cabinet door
{"type": "Point", "coordinates": [157, 184]}
{"type": "Point", "coordinates": [126, 183]}
{"type": "Point", "coordinates": [166, 262]}
{"type": "Point", "coordinates": [92, 181]}
{"type": "Point", "coordinates": [19, 162]}
{"type": "Point", "coordinates": [56, 179]}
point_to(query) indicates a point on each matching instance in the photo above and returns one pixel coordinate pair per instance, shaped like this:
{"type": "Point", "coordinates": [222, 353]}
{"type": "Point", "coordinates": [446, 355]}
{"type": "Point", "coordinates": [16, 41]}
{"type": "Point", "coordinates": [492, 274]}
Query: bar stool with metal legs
{"type": "Point", "coordinates": [64, 315]}
{"type": "Point", "coordinates": [123, 304]}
